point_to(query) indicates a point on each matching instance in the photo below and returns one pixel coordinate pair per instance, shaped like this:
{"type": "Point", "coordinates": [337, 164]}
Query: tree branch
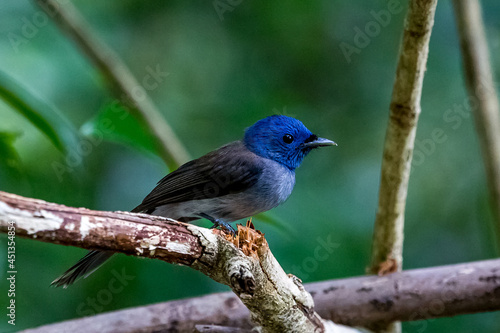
{"type": "Point", "coordinates": [174, 316]}
{"type": "Point", "coordinates": [364, 301]}
{"type": "Point", "coordinates": [481, 88]}
{"type": "Point", "coordinates": [387, 250]}
{"type": "Point", "coordinates": [417, 294]}
{"type": "Point", "coordinates": [122, 82]}
{"type": "Point", "coordinates": [219, 329]}
{"type": "Point", "coordinates": [368, 301]}
{"type": "Point", "coordinates": [277, 301]}
{"type": "Point", "coordinates": [400, 136]}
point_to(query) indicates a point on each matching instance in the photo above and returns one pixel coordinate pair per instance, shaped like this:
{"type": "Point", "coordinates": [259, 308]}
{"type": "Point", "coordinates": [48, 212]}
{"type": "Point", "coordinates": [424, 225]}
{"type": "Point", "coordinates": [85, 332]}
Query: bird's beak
{"type": "Point", "coordinates": [319, 142]}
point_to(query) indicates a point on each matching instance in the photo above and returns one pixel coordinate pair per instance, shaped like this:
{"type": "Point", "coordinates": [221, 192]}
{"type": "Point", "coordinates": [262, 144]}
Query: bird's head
{"type": "Point", "coordinates": [282, 139]}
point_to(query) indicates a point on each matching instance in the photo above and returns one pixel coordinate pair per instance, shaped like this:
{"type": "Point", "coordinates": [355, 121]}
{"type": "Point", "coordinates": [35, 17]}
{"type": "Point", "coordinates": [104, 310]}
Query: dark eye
{"type": "Point", "coordinates": [287, 138]}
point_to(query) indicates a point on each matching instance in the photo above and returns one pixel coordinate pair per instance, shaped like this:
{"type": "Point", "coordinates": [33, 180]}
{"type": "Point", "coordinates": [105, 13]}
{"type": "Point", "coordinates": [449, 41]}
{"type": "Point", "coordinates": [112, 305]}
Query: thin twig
{"type": "Point", "coordinates": [122, 82]}
{"type": "Point", "coordinates": [481, 88]}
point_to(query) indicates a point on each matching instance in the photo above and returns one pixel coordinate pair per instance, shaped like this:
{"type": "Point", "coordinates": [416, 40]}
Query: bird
{"type": "Point", "coordinates": [238, 180]}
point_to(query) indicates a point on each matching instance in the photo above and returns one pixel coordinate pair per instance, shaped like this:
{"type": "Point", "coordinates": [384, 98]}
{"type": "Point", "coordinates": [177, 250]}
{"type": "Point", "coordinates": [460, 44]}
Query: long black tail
{"type": "Point", "coordinates": [84, 267]}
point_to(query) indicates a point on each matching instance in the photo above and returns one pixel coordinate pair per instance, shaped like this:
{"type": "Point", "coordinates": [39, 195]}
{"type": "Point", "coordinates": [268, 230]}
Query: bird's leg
{"type": "Point", "coordinates": [218, 223]}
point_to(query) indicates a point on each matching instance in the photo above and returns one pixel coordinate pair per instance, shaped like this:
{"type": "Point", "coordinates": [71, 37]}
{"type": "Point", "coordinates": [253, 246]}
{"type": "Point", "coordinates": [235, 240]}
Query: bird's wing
{"type": "Point", "coordinates": [230, 169]}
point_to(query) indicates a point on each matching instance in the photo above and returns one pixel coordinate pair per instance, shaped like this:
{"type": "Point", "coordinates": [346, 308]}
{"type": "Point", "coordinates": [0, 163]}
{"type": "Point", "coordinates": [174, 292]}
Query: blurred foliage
{"type": "Point", "coordinates": [227, 70]}
{"type": "Point", "coordinates": [115, 124]}
{"type": "Point", "coordinates": [10, 160]}
{"type": "Point", "coordinates": [43, 116]}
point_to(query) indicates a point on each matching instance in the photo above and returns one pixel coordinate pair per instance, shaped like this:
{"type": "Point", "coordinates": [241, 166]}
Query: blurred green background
{"type": "Point", "coordinates": [226, 70]}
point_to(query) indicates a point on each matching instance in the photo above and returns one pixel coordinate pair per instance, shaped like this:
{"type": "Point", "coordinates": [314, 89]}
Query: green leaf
{"type": "Point", "coordinates": [115, 124]}
{"type": "Point", "coordinates": [9, 158]}
{"type": "Point", "coordinates": [42, 115]}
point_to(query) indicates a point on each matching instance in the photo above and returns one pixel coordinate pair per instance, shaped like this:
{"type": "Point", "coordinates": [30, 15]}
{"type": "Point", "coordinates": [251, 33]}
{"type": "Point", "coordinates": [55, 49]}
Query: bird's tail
{"type": "Point", "coordinates": [84, 267]}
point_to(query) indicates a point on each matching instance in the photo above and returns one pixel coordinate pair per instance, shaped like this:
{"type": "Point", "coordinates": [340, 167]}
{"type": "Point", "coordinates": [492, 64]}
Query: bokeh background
{"type": "Point", "coordinates": [227, 70]}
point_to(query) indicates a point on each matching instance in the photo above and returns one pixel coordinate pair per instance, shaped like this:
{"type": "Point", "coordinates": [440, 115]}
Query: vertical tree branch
{"type": "Point", "coordinates": [400, 136]}
{"type": "Point", "coordinates": [120, 78]}
{"type": "Point", "coordinates": [481, 88]}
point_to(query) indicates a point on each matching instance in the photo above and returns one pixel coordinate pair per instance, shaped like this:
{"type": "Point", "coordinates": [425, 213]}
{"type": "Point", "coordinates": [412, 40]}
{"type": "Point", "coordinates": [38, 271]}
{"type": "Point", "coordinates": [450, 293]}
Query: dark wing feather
{"type": "Point", "coordinates": [230, 169]}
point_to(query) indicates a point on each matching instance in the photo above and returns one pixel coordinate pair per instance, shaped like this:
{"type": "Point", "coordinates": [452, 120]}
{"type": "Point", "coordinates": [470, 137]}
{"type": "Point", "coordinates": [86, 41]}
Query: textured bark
{"type": "Point", "coordinates": [387, 250]}
{"type": "Point", "coordinates": [223, 309]}
{"type": "Point", "coordinates": [132, 234]}
{"type": "Point", "coordinates": [400, 137]}
{"type": "Point", "coordinates": [368, 301]}
{"type": "Point", "coordinates": [219, 329]}
{"type": "Point", "coordinates": [277, 301]}
{"type": "Point", "coordinates": [482, 94]}
{"type": "Point", "coordinates": [410, 295]}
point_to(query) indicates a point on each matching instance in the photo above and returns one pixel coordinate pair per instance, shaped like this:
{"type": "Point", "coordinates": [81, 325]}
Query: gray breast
{"type": "Point", "coordinates": [274, 186]}
{"type": "Point", "coordinates": [277, 183]}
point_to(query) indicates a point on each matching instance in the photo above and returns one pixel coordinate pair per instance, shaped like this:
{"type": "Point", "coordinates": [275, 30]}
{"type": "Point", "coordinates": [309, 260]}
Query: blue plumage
{"type": "Point", "coordinates": [282, 139]}
{"type": "Point", "coordinates": [238, 180]}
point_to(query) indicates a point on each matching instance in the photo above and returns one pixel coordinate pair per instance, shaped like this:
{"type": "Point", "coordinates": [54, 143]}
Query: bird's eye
{"type": "Point", "coordinates": [287, 138]}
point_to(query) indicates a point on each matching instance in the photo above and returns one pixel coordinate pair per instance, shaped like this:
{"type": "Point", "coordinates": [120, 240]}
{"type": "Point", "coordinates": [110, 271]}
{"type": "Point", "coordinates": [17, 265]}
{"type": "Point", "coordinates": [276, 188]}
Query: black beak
{"type": "Point", "coordinates": [315, 142]}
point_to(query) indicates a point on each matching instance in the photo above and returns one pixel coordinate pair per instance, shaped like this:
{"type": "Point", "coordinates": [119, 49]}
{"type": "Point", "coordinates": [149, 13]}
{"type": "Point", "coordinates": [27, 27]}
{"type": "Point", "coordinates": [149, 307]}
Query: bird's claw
{"type": "Point", "coordinates": [224, 226]}
{"type": "Point", "coordinates": [218, 223]}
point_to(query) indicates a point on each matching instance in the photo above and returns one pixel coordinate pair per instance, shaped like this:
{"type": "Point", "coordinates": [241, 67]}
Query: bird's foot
{"type": "Point", "coordinates": [218, 223]}
{"type": "Point", "coordinates": [224, 226]}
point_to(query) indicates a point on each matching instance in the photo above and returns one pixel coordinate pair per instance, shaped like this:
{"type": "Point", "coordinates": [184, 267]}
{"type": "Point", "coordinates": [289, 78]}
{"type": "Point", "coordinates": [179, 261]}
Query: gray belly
{"type": "Point", "coordinates": [274, 186]}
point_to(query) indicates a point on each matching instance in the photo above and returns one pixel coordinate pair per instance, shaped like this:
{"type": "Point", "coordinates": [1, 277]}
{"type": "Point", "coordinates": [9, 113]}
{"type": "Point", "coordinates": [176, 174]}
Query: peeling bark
{"type": "Point", "coordinates": [277, 301]}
